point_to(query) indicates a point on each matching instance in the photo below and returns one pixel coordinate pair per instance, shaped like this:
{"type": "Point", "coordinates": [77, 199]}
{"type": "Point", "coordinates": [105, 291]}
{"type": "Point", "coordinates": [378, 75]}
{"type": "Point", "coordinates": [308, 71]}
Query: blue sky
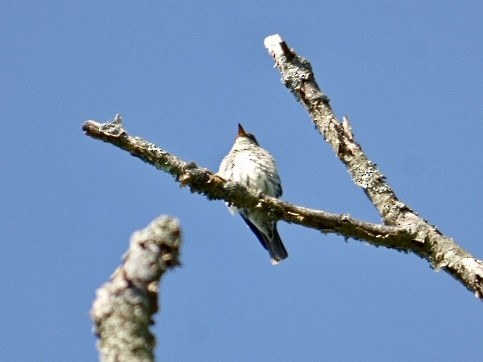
{"type": "Point", "coordinates": [183, 75]}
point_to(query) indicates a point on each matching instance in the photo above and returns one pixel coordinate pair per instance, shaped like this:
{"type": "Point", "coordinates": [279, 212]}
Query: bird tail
{"type": "Point", "coordinates": [275, 247]}
{"type": "Point", "coordinates": [273, 244]}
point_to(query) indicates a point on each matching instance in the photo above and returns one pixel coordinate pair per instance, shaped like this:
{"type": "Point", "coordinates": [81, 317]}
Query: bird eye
{"type": "Point", "coordinates": [252, 137]}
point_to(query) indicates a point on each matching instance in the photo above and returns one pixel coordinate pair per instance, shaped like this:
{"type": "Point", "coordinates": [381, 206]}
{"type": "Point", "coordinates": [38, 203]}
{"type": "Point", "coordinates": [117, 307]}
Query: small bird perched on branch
{"type": "Point", "coordinates": [255, 168]}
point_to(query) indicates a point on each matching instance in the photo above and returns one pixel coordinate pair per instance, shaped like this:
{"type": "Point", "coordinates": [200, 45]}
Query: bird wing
{"type": "Point", "coordinates": [255, 230]}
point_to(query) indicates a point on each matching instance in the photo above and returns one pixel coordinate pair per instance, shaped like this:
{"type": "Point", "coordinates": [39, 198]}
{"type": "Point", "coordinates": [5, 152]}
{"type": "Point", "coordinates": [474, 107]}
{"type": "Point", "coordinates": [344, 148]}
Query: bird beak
{"type": "Point", "coordinates": [241, 131]}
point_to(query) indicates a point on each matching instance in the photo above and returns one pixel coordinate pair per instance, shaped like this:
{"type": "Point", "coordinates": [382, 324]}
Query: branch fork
{"type": "Point", "coordinates": [402, 228]}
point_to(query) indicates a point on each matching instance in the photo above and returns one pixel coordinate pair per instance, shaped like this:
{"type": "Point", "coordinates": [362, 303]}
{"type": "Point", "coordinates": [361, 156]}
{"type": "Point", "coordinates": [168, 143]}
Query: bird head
{"type": "Point", "coordinates": [249, 136]}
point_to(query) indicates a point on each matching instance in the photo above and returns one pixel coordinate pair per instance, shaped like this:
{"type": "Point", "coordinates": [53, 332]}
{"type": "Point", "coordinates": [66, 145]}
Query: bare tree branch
{"type": "Point", "coordinates": [123, 307]}
{"type": "Point", "coordinates": [402, 230]}
{"type": "Point", "coordinates": [441, 251]}
{"type": "Point", "coordinates": [203, 181]}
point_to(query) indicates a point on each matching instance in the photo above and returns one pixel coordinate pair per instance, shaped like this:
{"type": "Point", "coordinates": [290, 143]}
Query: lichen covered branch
{"type": "Point", "coordinates": [124, 306]}
{"type": "Point", "coordinates": [441, 251]}
{"type": "Point", "coordinates": [203, 181]}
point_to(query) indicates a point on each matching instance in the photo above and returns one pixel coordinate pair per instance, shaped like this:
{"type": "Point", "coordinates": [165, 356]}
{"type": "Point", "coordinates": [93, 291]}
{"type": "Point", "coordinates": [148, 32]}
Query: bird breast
{"type": "Point", "coordinates": [257, 171]}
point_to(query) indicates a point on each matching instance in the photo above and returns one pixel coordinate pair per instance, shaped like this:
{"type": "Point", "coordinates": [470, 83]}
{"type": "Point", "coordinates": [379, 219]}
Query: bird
{"type": "Point", "coordinates": [255, 168]}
